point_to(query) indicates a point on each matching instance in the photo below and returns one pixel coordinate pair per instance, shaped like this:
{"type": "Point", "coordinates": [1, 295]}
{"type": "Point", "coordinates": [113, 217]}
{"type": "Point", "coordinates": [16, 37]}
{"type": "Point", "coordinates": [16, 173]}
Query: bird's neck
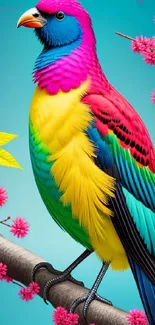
{"type": "Point", "coordinates": [65, 68]}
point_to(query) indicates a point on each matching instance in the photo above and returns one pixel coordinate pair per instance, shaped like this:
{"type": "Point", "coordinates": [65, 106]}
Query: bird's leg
{"type": "Point", "coordinates": [92, 294]}
{"type": "Point", "coordinates": [60, 276]}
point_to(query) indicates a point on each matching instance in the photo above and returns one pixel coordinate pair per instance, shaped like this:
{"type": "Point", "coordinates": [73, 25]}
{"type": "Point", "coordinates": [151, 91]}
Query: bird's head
{"type": "Point", "coordinates": [57, 22]}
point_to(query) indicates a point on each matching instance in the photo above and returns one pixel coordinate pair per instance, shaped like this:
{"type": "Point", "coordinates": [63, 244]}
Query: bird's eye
{"type": "Point", "coordinates": [60, 15]}
{"type": "Point", "coordinates": [35, 15]}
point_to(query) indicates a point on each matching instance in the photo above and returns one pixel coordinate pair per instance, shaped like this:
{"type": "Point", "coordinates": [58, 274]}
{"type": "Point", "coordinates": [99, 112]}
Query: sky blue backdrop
{"type": "Point", "coordinates": [128, 73]}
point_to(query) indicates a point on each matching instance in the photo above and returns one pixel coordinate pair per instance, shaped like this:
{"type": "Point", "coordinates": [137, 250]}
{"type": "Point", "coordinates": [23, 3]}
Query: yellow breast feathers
{"type": "Point", "coordinates": [62, 120]}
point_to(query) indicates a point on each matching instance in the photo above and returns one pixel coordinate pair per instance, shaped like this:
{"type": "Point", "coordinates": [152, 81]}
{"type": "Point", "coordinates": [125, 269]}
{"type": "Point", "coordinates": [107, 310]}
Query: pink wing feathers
{"type": "Point", "coordinates": [129, 141]}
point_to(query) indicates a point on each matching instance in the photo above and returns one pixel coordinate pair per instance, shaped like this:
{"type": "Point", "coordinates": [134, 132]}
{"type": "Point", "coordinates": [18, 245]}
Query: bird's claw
{"type": "Point", "coordinates": [41, 265]}
{"type": "Point", "coordinates": [87, 301]}
{"type": "Point", "coordinates": [60, 277]}
{"type": "Point", "coordinates": [103, 300]}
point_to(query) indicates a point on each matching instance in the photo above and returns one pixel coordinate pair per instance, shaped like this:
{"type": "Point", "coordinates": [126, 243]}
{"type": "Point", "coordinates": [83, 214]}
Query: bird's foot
{"type": "Point", "coordinates": [60, 277]}
{"type": "Point", "coordinates": [86, 300]}
{"type": "Point", "coordinates": [92, 294]}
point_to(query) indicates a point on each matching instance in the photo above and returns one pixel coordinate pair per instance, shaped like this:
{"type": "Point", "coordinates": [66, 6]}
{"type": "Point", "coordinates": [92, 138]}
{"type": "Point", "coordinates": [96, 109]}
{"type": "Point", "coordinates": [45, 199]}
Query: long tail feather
{"type": "Point", "coordinates": [146, 291]}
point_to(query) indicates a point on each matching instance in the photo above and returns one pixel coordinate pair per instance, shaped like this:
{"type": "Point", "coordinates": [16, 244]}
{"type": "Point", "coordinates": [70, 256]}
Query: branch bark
{"type": "Point", "coordinates": [20, 263]}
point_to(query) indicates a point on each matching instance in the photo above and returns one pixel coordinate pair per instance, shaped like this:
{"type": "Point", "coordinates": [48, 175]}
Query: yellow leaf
{"type": "Point", "coordinates": [6, 159]}
{"type": "Point", "coordinates": [6, 137]}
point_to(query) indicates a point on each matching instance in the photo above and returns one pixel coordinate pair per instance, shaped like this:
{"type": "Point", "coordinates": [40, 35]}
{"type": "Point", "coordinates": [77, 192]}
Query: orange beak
{"type": "Point", "coordinates": [32, 19]}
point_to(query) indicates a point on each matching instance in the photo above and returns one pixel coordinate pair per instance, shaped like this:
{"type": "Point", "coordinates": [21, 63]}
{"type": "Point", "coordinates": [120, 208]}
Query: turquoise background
{"type": "Point", "coordinates": [130, 75]}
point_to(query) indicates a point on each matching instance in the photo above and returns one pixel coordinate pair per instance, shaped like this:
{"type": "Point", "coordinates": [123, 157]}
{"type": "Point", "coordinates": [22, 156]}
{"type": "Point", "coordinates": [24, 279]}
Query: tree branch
{"type": "Point", "coordinates": [20, 263]}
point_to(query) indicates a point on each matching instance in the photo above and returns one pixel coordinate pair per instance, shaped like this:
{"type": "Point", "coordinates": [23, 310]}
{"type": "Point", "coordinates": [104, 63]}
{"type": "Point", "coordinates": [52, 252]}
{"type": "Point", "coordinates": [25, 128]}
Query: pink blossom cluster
{"type": "Point", "coordinates": [3, 273]}
{"type": "Point", "coordinates": [20, 229]}
{"type": "Point", "coordinates": [62, 317]}
{"type": "Point", "coordinates": [25, 293]}
{"type": "Point", "coordinates": [146, 47]}
{"type": "Point", "coordinates": [137, 317]}
{"type": "Point", "coordinates": [3, 196]}
{"type": "Point", "coordinates": [20, 226]}
{"type": "Point", "coordinates": [29, 292]}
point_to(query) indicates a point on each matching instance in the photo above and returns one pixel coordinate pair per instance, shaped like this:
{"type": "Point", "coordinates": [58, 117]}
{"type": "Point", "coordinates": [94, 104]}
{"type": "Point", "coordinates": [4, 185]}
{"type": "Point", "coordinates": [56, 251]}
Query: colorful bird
{"type": "Point", "coordinates": [92, 156]}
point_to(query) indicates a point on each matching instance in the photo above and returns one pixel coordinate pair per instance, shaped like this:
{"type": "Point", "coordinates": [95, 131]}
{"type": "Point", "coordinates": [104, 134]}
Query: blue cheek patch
{"type": "Point", "coordinates": [61, 38]}
{"type": "Point", "coordinates": [62, 32]}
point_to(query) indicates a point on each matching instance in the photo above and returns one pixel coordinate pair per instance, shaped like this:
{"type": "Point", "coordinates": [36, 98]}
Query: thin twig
{"type": "Point", "coordinates": [5, 224]}
{"type": "Point", "coordinates": [17, 283]}
{"type": "Point", "coordinates": [125, 36]}
{"type": "Point", "coordinates": [8, 218]}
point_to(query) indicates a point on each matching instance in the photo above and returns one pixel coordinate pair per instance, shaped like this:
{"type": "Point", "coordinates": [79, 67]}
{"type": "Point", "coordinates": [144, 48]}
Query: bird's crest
{"type": "Point", "coordinates": [70, 7]}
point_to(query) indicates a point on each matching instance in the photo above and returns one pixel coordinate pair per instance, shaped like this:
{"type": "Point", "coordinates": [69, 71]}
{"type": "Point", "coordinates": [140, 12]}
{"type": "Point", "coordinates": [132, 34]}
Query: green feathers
{"type": "Point", "coordinates": [49, 191]}
{"type": "Point", "coordinates": [139, 181]}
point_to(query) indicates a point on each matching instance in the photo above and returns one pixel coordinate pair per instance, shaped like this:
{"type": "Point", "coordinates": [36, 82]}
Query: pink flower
{"type": "Point", "coordinates": [72, 319]}
{"type": "Point", "coordinates": [146, 47]}
{"type": "Point", "coordinates": [34, 287]}
{"type": "Point", "coordinates": [20, 227]}
{"type": "Point", "coordinates": [3, 196]}
{"type": "Point", "coordinates": [8, 279]}
{"type": "Point", "coordinates": [149, 56]}
{"type": "Point", "coordinates": [153, 97]}
{"type": "Point", "coordinates": [150, 47]}
{"type": "Point", "coordinates": [59, 315]}
{"type": "Point", "coordinates": [137, 317]}
{"type": "Point", "coordinates": [3, 270]}
{"type": "Point", "coordinates": [62, 317]}
{"type": "Point", "coordinates": [136, 47]}
{"type": "Point", "coordinates": [26, 294]}
{"type": "Point", "coordinates": [140, 44]}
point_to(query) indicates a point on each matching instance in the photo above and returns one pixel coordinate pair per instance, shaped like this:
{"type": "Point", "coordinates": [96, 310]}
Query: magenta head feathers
{"type": "Point", "coordinates": [65, 29]}
{"type": "Point", "coordinates": [69, 7]}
